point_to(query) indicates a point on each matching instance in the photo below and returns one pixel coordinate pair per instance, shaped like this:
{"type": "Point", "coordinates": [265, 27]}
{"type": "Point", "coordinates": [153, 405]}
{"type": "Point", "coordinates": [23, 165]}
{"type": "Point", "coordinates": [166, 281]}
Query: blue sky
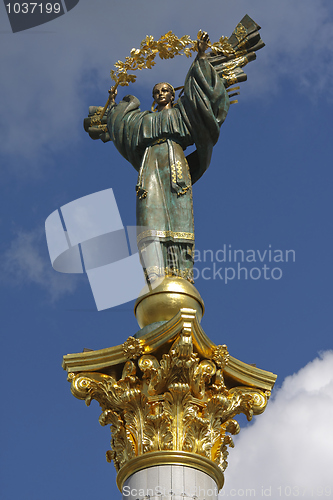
{"type": "Point", "coordinates": [269, 187]}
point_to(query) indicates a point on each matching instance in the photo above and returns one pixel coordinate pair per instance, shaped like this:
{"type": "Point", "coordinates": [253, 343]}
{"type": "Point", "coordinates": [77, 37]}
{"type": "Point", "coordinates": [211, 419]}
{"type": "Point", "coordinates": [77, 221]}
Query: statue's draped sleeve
{"type": "Point", "coordinates": [204, 106]}
{"type": "Point", "coordinates": [124, 124]}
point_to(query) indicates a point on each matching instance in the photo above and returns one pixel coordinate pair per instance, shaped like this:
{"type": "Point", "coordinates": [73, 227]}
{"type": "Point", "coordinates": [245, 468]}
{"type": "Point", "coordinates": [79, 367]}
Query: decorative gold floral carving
{"type": "Point", "coordinates": [173, 402]}
{"type": "Point", "coordinates": [133, 348]}
{"type": "Point", "coordinates": [221, 355]}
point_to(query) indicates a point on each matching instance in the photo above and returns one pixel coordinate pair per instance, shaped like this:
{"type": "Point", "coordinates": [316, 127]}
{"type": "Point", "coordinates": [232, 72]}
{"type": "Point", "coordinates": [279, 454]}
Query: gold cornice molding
{"type": "Point", "coordinates": [104, 359]}
{"type": "Point", "coordinates": [184, 458]}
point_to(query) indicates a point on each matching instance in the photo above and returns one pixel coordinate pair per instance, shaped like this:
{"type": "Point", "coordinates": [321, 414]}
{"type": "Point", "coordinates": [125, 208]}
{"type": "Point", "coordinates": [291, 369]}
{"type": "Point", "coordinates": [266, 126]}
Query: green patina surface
{"type": "Point", "coordinates": [154, 144]}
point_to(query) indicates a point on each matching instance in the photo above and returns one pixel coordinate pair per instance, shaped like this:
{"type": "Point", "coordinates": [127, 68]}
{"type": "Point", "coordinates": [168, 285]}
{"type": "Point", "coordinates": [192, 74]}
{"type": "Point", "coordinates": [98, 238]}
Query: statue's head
{"type": "Point", "coordinates": [163, 95]}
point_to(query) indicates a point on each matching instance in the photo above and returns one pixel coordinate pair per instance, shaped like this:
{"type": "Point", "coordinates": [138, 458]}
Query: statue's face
{"type": "Point", "coordinates": [163, 95]}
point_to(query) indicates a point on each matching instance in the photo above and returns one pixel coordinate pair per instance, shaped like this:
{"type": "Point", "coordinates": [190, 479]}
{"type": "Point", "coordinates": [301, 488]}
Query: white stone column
{"type": "Point", "coordinates": [170, 482]}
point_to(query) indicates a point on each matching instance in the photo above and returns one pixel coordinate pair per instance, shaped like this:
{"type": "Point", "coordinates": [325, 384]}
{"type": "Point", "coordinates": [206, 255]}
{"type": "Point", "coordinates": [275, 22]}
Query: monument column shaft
{"type": "Point", "coordinates": [170, 482]}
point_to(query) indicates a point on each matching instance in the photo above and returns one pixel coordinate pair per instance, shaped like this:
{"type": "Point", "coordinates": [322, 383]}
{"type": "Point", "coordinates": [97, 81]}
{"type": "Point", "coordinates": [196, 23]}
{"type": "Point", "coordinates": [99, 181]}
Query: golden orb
{"type": "Point", "coordinates": [164, 298]}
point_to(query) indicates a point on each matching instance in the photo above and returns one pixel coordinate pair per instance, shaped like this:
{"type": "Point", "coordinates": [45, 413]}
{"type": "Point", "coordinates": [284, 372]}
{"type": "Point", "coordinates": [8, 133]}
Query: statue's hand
{"type": "Point", "coordinates": [113, 92]}
{"type": "Point", "coordinates": [203, 43]}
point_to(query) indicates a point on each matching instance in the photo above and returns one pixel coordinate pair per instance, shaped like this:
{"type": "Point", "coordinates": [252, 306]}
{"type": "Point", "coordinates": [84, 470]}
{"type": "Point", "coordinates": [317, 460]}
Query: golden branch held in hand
{"type": "Point", "coordinates": [167, 47]}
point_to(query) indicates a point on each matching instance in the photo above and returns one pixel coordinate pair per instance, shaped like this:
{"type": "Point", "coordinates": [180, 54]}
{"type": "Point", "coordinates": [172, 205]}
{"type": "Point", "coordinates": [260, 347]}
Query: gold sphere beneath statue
{"type": "Point", "coordinates": [162, 300]}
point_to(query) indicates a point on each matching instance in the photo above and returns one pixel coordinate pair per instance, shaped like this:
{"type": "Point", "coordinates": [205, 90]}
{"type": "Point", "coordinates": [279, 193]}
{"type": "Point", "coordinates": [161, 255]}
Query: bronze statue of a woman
{"type": "Point", "coordinates": [154, 143]}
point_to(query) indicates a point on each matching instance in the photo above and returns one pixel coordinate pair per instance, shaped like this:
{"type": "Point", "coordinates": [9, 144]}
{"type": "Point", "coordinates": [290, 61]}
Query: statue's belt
{"type": "Point", "coordinates": [158, 141]}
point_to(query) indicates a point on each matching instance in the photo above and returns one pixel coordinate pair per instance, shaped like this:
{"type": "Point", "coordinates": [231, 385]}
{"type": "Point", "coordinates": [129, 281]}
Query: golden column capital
{"type": "Point", "coordinates": [172, 403]}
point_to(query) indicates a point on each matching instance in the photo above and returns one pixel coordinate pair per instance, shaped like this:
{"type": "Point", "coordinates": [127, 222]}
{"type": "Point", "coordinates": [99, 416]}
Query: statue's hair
{"type": "Point", "coordinates": [168, 84]}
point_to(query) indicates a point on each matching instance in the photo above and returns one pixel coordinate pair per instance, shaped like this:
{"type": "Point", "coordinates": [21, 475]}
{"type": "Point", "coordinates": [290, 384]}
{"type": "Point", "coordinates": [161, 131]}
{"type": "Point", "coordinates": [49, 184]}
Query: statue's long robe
{"type": "Point", "coordinates": [154, 144]}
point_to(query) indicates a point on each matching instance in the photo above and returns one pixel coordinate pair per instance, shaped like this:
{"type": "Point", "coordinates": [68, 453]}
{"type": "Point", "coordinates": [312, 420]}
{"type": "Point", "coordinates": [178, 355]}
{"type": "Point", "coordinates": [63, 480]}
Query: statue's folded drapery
{"type": "Point", "coordinates": [154, 144]}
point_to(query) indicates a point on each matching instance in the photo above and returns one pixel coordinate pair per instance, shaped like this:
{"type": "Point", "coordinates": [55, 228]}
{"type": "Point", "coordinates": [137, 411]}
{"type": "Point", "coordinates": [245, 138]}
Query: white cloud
{"type": "Point", "coordinates": [26, 262]}
{"type": "Point", "coordinates": [288, 451]}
